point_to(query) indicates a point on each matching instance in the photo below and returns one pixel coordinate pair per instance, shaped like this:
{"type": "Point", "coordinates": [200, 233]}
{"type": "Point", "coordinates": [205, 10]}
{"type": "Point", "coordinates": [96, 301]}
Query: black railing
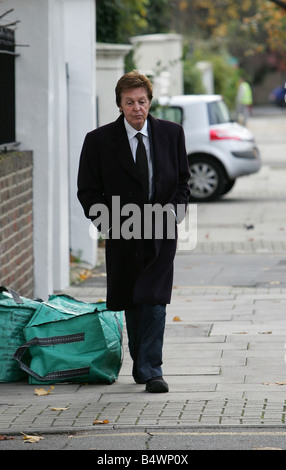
{"type": "Point", "coordinates": [7, 86]}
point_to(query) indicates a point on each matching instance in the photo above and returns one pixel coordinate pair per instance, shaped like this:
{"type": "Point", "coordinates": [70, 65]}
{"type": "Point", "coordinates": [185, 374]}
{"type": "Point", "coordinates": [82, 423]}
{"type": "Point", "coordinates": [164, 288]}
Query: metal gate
{"type": "Point", "coordinates": [7, 86]}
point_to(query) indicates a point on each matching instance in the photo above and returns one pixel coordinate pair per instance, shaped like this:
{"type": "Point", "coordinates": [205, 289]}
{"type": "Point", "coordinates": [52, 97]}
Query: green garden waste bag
{"type": "Point", "coordinates": [15, 314]}
{"type": "Point", "coordinates": [72, 341]}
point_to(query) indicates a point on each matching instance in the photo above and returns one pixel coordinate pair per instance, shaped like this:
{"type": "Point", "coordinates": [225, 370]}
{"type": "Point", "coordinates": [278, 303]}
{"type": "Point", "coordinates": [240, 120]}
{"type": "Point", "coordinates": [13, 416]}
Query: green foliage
{"type": "Point", "coordinates": [107, 21]}
{"type": "Point", "coordinates": [192, 79]}
{"type": "Point", "coordinates": [225, 80]}
{"type": "Point", "coordinates": [226, 76]}
{"type": "Point", "coordinates": [117, 20]}
{"type": "Point", "coordinates": [158, 16]}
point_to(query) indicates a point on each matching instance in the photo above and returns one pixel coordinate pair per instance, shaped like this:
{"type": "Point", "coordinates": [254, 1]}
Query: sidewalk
{"type": "Point", "coordinates": [224, 362]}
{"type": "Point", "coordinates": [224, 359]}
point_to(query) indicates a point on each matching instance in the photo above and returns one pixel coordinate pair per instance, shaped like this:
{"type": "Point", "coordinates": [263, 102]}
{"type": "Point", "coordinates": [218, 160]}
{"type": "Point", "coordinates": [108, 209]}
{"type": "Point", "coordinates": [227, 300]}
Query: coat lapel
{"type": "Point", "coordinates": [121, 148]}
{"type": "Point", "coordinates": [159, 148]}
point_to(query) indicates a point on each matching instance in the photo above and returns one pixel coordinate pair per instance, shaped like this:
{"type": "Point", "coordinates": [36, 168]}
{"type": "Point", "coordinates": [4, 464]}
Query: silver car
{"type": "Point", "coordinates": [219, 150]}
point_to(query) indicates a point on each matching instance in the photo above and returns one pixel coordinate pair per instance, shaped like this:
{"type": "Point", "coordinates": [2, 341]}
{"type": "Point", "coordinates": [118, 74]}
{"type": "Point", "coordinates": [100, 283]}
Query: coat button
{"type": "Point", "coordinates": [130, 194]}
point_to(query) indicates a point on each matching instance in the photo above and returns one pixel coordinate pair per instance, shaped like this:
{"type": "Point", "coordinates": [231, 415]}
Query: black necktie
{"type": "Point", "coordinates": [142, 165]}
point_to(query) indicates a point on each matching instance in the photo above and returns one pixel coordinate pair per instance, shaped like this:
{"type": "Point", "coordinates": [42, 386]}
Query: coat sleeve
{"type": "Point", "coordinates": [90, 186]}
{"type": "Point", "coordinates": [183, 189]}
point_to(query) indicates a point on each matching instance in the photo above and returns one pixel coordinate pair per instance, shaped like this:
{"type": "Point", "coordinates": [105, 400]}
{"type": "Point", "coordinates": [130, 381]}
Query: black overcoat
{"type": "Point", "coordinates": [107, 169]}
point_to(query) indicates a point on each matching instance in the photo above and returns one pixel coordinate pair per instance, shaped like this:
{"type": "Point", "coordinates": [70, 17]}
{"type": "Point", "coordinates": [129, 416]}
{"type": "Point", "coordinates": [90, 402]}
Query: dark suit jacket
{"type": "Point", "coordinates": [107, 169]}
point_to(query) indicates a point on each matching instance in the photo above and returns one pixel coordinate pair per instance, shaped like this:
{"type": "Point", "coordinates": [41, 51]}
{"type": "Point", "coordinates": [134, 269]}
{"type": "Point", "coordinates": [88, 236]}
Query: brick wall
{"type": "Point", "coordinates": [16, 222]}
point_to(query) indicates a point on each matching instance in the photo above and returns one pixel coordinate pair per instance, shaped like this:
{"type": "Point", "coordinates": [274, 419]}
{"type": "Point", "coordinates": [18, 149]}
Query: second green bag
{"type": "Point", "coordinates": [72, 341]}
{"type": "Point", "coordinates": [15, 313]}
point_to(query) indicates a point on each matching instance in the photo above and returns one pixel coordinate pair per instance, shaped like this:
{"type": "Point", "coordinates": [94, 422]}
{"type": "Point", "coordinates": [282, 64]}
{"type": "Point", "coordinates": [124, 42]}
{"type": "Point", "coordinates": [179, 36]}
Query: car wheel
{"type": "Point", "coordinates": [207, 179]}
{"type": "Point", "coordinates": [228, 186]}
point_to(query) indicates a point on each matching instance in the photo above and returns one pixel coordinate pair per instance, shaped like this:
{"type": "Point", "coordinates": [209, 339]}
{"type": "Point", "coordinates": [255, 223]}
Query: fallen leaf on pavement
{"type": "Point", "coordinates": [5, 438]}
{"type": "Point", "coordinates": [42, 391]}
{"type": "Point", "coordinates": [98, 421]}
{"type": "Point", "coordinates": [275, 383]}
{"type": "Point", "coordinates": [32, 439]}
{"type": "Point", "coordinates": [59, 409]}
{"type": "Point", "coordinates": [86, 274]}
{"type": "Point", "coordinates": [177, 318]}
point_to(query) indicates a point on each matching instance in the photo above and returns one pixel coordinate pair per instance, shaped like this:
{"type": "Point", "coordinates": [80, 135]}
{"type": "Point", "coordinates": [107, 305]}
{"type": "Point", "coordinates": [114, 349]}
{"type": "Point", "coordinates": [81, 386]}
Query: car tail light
{"type": "Point", "coordinates": [223, 134]}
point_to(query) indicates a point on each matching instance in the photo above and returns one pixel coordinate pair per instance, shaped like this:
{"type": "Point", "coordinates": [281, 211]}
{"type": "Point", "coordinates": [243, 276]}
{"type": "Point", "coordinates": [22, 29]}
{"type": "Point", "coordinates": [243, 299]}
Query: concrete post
{"type": "Point", "coordinates": [160, 55]}
{"type": "Point", "coordinates": [109, 68]}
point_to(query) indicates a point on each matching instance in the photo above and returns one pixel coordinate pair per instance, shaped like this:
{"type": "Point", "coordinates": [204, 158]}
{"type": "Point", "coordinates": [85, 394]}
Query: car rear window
{"type": "Point", "coordinates": [169, 113]}
{"type": "Point", "coordinates": [218, 112]}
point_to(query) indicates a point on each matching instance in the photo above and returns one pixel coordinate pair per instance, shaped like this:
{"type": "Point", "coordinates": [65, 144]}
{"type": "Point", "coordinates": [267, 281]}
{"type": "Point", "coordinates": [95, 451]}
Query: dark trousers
{"type": "Point", "coordinates": [145, 329]}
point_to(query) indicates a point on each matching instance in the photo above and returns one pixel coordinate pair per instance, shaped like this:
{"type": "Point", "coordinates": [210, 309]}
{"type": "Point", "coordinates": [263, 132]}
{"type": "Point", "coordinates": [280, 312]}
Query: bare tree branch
{"type": "Point", "coordinates": [6, 13]}
{"type": "Point", "coordinates": [12, 24]}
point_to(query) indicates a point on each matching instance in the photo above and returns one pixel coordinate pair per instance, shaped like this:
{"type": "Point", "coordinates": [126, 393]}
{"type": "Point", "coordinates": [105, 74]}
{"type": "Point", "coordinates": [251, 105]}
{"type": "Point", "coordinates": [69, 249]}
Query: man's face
{"type": "Point", "coordinates": [135, 106]}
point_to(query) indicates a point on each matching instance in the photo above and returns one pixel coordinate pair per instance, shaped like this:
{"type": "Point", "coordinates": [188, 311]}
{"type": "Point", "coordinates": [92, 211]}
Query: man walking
{"type": "Point", "coordinates": [139, 160]}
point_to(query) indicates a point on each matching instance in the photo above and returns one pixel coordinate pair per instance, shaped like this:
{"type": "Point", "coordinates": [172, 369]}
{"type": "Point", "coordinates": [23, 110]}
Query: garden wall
{"type": "Point", "coordinates": [16, 222]}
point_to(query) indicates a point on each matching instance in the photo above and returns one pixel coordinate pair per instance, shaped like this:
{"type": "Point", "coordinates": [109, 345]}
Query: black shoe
{"type": "Point", "coordinates": [157, 385]}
